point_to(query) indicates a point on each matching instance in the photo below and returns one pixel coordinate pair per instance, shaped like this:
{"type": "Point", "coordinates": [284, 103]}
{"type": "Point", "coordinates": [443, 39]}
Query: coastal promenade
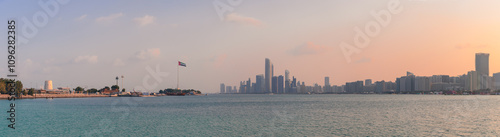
{"type": "Point", "coordinates": [5, 96]}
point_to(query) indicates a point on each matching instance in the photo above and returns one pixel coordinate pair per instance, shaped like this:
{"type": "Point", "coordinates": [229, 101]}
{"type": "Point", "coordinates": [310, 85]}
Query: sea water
{"type": "Point", "coordinates": [257, 115]}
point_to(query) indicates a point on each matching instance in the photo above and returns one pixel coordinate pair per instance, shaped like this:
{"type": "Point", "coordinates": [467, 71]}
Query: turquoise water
{"type": "Point", "coordinates": [258, 115]}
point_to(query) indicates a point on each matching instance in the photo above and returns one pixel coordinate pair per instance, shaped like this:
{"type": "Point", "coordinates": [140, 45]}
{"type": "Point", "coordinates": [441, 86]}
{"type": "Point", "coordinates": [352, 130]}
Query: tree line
{"type": "Point", "coordinates": [3, 86]}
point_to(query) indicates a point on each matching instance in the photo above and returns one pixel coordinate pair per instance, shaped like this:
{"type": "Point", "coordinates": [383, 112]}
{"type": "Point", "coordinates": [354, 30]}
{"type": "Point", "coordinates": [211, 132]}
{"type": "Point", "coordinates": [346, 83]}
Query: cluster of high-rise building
{"type": "Point", "coordinates": [271, 83]}
{"type": "Point", "coordinates": [227, 89]}
{"type": "Point", "coordinates": [474, 80]}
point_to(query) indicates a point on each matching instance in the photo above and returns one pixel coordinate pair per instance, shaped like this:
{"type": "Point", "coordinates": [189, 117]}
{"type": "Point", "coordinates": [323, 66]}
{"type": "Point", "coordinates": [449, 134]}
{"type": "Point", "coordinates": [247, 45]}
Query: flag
{"type": "Point", "coordinates": [182, 64]}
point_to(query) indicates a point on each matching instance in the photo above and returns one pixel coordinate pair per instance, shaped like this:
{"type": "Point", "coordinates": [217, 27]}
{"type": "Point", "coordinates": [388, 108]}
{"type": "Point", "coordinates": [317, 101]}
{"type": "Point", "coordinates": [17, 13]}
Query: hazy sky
{"type": "Point", "coordinates": [89, 43]}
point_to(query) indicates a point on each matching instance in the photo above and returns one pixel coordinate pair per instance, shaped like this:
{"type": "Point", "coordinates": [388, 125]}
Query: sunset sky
{"type": "Point", "coordinates": [89, 43]}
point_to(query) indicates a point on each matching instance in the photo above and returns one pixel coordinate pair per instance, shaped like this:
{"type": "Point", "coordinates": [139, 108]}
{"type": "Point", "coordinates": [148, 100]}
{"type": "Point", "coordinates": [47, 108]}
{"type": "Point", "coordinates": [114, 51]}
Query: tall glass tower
{"type": "Point", "coordinates": [268, 76]}
{"type": "Point", "coordinates": [482, 64]}
{"type": "Point", "coordinates": [483, 70]}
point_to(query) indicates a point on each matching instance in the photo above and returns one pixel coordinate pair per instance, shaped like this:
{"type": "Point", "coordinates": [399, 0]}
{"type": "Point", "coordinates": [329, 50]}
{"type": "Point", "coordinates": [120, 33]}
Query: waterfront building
{"type": "Point", "coordinates": [287, 82]}
{"type": "Point", "coordinates": [482, 64]}
{"type": "Point", "coordinates": [248, 86]}
{"type": "Point", "coordinates": [259, 84]}
{"type": "Point", "coordinates": [281, 84]}
{"type": "Point", "coordinates": [48, 85]}
{"type": "Point", "coordinates": [380, 87]}
{"type": "Point", "coordinates": [222, 88]}
{"type": "Point", "coordinates": [275, 85]}
{"type": "Point", "coordinates": [422, 83]}
{"type": "Point", "coordinates": [327, 87]}
{"type": "Point", "coordinates": [482, 69]}
{"type": "Point", "coordinates": [354, 87]}
{"type": "Point", "coordinates": [228, 89]}
{"type": "Point", "coordinates": [368, 82]}
{"type": "Point", "coordinates": [268, 76]}
{"type": "Point", "coordinates": [472, 81]}
{"type": "Point", "coordinates": [496, 79]}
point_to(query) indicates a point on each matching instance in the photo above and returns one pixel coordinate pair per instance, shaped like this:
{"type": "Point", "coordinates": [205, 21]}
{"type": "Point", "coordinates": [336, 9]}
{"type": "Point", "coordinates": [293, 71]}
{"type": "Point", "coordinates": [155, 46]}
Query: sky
{"type": "Point", "coordinates": [89, 43]}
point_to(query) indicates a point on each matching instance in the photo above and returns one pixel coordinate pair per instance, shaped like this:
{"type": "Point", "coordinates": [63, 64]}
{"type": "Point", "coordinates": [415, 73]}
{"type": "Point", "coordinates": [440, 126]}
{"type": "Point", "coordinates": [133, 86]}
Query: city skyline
{"type": "Point", "coordinates": [250, 67]}
{"type": "Point", "coordinates": [473, 80]}
{"type": "Point", "coordinates": [89, 47]}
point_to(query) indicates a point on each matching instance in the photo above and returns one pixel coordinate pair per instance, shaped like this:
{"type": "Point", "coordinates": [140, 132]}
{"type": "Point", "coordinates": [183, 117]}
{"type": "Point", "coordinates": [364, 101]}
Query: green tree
{"type": "Point", "coordinates": [79, 89]}
{"type": "Point", "coordinates": [115, 87]}
{"type": "Point", "coordinates": [31, 91]}
{"type": "Point", "coordinates": [92, 90]}
{"type": "Point", "coordinates": [19, 86]}
{"type": "Point", "coordinates": [3, 86]}
{"type": "Point", "coordinates": [3, 89]}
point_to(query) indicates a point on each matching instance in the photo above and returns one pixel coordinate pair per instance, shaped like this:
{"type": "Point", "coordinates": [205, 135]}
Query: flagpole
{"type": "Point", "coordinates": [177, 74]}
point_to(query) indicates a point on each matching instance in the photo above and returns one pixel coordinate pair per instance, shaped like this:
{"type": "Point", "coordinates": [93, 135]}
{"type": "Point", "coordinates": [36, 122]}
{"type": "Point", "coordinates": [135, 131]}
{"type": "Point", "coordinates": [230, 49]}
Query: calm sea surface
{"type": "Point", "coordinates": [257, 115]}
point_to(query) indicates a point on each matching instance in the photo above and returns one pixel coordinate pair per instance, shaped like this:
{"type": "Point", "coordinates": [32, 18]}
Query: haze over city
{"type": "Point", "coordinates": [89, 47]}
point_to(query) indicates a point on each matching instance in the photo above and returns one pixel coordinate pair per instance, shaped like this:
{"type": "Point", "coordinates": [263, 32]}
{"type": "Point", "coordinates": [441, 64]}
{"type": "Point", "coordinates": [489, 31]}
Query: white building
{"type": "Point", "coordinates": [48, 85]}
{"type": "Point", "coordinates": [472, 81]}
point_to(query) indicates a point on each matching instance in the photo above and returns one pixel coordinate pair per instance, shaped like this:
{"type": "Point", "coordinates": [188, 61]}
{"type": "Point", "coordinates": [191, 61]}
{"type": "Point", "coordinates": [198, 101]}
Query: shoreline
{"type": "Point", "coordinates": [5, 96]}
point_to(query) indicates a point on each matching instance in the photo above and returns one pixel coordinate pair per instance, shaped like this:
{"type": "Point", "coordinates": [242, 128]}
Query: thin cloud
{"type": "Point", "coordinates": [146, 20]}
{"type": "Point", "coordinates": [86, 59]}
{"type": "Point", "coordinates": [81, 17]}
{"type": "Point", "coordinates": [109, 18]}
{"type": "Point", "coordinates": [233, 17]}
{"type": "Point", "coordinates": [308, 49]}
{"type": "Point", "coordinates": [147, 54]}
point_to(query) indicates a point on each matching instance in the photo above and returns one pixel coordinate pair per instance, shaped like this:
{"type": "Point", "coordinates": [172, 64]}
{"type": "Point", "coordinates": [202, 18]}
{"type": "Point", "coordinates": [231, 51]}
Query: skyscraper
{"type": "Point", "coordinates": [327, 81]}
{"type": "Point", "coordinates": [354, 87]}
{"type": "Point", "coordinates": [471, 83]}
{"type": "Point", "coordinates": [281, 84]}
{"type": "Point", "coordinates": [222, 88]}
{"type": "Point", "coordinates": [228, 89]}
{"type": "Point", "coordinates": [287, 82]}
{"type": "Point", "coordinates": [249, 86]}
{"type": "Point", "coordinates": [287, 75]}
{"type": "Point", "coordinates": [496, 78]}
{"type": "Point", "coordinates": [275, 85]}
{"type": "Point", "coordinates": [269, 76]}
{"type": "Point", "coordinates": [380, 87]}
{"type": "Point", "coordinates": [259, 84]}
{"type": "Point", "coordinates": [422, 83]}
{"type": "Point", "coordinates": [406, 83]}
{"type": "Point", "coordinates": [483, 70]}
{"type": "Point", "coordinates": [482, 64]}
{"type": "Point", "coordinates": [368, 82]}
{"type": "Point", "coordinates": [327, 87]}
